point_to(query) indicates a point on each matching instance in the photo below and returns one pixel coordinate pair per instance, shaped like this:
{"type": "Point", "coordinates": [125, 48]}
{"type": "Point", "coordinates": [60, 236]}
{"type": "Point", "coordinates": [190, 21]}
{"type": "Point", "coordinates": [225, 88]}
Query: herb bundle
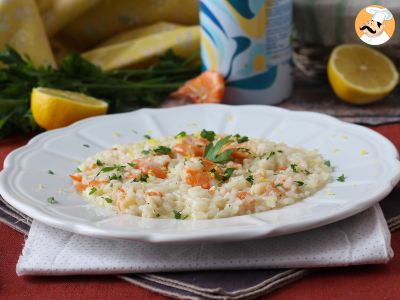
{"type": "Point", "coordinates": [124, 90]}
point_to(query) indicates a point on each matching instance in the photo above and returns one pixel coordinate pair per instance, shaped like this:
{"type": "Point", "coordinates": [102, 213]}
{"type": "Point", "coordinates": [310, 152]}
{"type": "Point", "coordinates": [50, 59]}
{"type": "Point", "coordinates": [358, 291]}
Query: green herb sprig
{"type": "Point", "coordinates": [212, 151]}
{"type": "Point", "coordinates": [124, 90]}
{"type": "Point", "coordinates": [208, 135]}
{"type": "Point", "coordinates": [178, 215]}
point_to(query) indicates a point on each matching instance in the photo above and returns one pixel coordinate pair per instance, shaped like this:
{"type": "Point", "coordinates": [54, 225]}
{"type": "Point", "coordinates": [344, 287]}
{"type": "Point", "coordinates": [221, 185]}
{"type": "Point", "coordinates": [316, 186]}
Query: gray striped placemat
{"type": "Point", "coordinates": [211, 285]}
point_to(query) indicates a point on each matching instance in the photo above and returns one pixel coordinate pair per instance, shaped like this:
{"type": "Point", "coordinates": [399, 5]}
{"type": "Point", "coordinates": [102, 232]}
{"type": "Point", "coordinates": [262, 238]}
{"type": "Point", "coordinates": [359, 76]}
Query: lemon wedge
{"type": "Point", "coordinates": [53, 108]}
{"type": "Point", "coordinates": [359, 74]}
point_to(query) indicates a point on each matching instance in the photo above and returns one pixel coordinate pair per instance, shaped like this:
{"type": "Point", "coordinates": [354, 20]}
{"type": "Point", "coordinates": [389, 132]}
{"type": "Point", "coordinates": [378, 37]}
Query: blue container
{"type": "Point", "coordinates": [248, 41]}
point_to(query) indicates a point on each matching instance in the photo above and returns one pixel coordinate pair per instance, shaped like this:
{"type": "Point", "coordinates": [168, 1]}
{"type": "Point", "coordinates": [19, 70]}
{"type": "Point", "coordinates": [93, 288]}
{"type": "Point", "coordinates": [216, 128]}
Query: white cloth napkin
{"type": "Point", "coordinates": [361, 239]}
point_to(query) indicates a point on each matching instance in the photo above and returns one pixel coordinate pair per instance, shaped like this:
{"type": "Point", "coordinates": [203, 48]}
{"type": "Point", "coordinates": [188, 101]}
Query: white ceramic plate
{"type": "Point", "coordinates": [367, 159]}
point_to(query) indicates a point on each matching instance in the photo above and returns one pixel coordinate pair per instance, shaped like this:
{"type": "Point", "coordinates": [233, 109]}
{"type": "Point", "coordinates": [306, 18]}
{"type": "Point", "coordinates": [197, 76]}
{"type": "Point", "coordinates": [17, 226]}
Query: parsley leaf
{"type": "Point", "coordinates": [225, 176]}
{"type": "Point", "coordinates": [51, 200]}
{"type": "Point", "coordinates": [228, 173]}
{"type": "Point", "coordinates": [271, 154]}
{"type": "Point", "coordinates": [294, 168]}
{"type": "Point", "coordinates": [181, 134]}
{"type": "Point", "coordinates": [327, 163]}
{"type": "Point", "coordinates": [212, 150]}
{"type": "Point", "coordinates": [147, 136]}
{"type": "Point", "coordinates": [299, 183]}
{"type": "Point", "coordinates": [142, 178]}
{"type": "Point", "coordinates": [92, 190]}
{"type": "Point", "coordinates": [162, 150]}
{"type": "Point", "coordinates": [250, 179]}
{"type": "Point", "coordinates": [241, 139]}
{"type": "Point", "coordinates": [108, 200]}
{"type": "Point", "coordinates": [133, 165]}
{"type": "Point", "coordinates": [86, 145]}
{"type": "Point", "coordinates": [208, 135]}
{"type": "Point", "coordinates": [119, 168]}
{"type": "Point", "coordinates": [146, 152]}
{"type": "Point", "coordinates": [50, 172]}
{"type": "Point", "coordinates": [78, 170]}
{"type": "Point", "coordinates": [279, 185]}
{"type": "Point", "coordinates": [178, 215]}
{"type": "Point", "coordinates": [108, 169]}
{"type": "Point", "coordinates": [99, 163]}
{"type": "Point", "coordinates": [341, 178]}
{"type": "Point", "coordinates": [115, 177]}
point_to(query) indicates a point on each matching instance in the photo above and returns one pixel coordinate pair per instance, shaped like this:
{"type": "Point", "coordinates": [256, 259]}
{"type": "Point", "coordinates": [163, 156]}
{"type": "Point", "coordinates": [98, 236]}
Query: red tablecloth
{"type": "Point", "coordinates": [364, 282]}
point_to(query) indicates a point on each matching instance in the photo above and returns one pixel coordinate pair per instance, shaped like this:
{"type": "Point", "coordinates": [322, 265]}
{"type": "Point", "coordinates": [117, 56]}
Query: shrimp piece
{"type": "Point", "coordinates": [190, 146]}
{"type": "Point", "coordinates": [203, 177]}
{"type": "Point", "coordinates": [242, 195]}
{"type": "Point", "coordinates": [98, 182]}
{"type": "Point", "coordinates": [77, 178]}
{"type": "Point", "coordinates": [154, 165]}
{"type": "Point", "coordinates": [240, 151]}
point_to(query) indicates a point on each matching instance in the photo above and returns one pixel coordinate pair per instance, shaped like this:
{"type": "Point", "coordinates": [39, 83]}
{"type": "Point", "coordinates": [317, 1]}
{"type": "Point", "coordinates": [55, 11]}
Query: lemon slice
{"type": "Point", "coordinates": [53, 108]}
{"type": "Point", "coordinates": [359, 74]}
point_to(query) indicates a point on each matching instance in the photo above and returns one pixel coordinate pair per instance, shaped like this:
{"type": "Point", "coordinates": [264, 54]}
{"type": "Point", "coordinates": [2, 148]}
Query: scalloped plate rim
{"type": "Point", "coordinates": [199, 235]}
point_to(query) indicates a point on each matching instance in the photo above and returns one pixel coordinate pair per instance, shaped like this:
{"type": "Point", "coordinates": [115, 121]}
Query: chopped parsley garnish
{"type": "Point", "coordinates": [299, 183]}
{"type": "Point", "coordinates": [86, 145]}
{"type": "Point", "coordinates": [212, 150]}
{"type": "Point", "coordinates": [118, 168]}
{"type": "Point", "coordinates": [178, 215]}
{"type": "Point", "coordinates": [294, 168]}
{"type": "Point", "coordinates": [270, 155]}
{"type": "Point", "coordinates": [142, 178]}
{"type": "Point", "coordinates": [108, 200]}
{"type": "Point", "coordinates": [157, 215]}
{"type": "Point", "coordinates": [240, 139]}
{"type": "Point", "coordinates": [133, 165]}
{"type": "Point", "coordinates": [92, 190]}
{"type": "Point", "coordinates": [208, 135]}
{"type": "Point", "coordinates": [341, 178]}
{"type": "Point", "coordinates": [115, 177]}
{"type": "Point", "coordinates": [225, 176]}
{"type": "Point", "coordinates": [279, 185]}
{"type": "Point", "coordinates": [250, 179]}
{"type": "Point", "coordinates": [108, 169]}
{"type": "Point", "coordinates": [99, 163]}
{"type": "Point", "coordinates": [279, 151]}
{"type": "Point", "coordinates": [146, 152]}
{"type": "Point", "coordinates": [162, 150]}
{"type": "Point", "coordinates": [327, 163]}
{"type": "Point", "coordinates": [51, 200]}
{"type": "Point", "coordinates": [147, 136]}
{"type": "Point", "coordinates": [181, 134]}
{"type": "Point", "coordinates": [78, 170]}
{"type": "Point", "coordinates": [307, 172]}
{"type": "Point", "coordinates": [50, 172]}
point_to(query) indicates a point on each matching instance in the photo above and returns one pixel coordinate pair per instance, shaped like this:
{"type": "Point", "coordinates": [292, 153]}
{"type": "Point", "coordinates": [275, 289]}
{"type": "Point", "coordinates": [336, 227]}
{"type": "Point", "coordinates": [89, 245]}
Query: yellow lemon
{"type": "Point", "coordinates": [53, 108]}
{"type": "Point", "coordinates": [359, 74]}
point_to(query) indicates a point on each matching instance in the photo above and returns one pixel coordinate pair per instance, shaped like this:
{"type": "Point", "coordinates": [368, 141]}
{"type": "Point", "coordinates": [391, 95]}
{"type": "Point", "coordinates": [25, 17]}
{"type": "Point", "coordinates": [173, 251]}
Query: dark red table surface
{"type": "Point", "coordinates": [360, 282]}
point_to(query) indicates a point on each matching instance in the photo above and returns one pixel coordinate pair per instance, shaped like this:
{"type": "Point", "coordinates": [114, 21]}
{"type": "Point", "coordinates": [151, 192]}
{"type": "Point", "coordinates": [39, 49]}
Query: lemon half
{"type": "Point", "coordinates": [53, 108]}
{"type": "Point", "coordinates": [359, 74]}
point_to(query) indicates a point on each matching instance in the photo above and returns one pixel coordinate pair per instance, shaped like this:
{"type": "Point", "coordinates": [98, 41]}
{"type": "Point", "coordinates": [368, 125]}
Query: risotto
{"type": "Point", "coordinates": [200, 176]}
